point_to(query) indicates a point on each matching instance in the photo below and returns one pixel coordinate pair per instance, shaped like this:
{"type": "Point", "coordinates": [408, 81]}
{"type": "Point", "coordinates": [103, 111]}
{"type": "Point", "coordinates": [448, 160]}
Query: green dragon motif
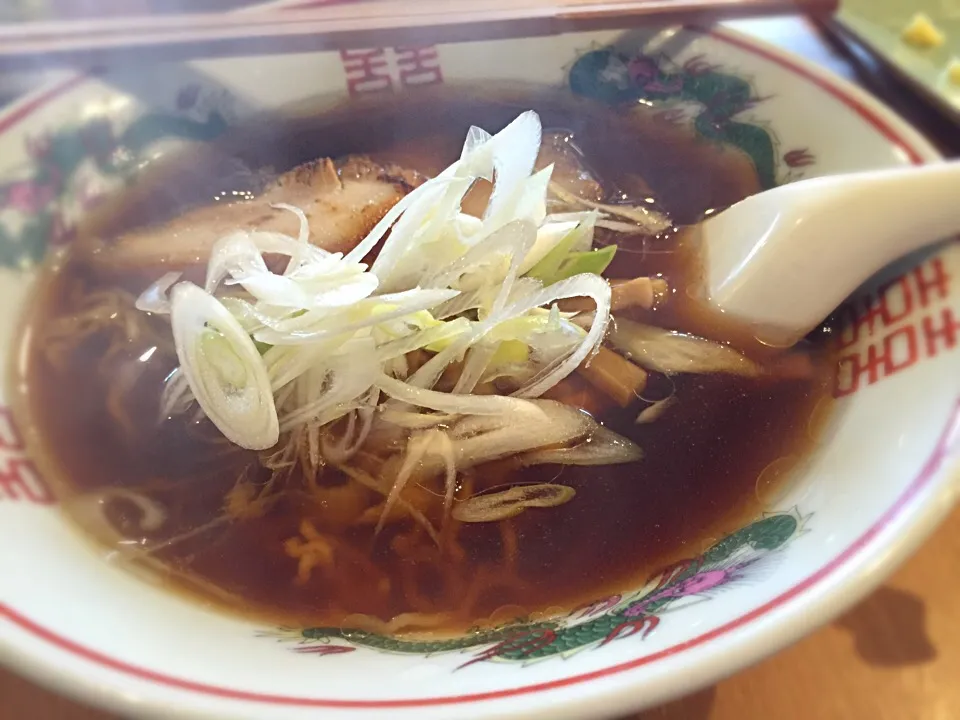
{"type": "Point", "coordinates": [58, 157]}
{"type": "Point", "coordinates": [618, 78]}
{"type": "Point", "coordinates": [613, 618]}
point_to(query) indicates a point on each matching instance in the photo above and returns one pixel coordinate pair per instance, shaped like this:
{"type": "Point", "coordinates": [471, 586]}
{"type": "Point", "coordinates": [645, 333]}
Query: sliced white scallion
{"type": "Point", "coordinates": [510, 503]}
{"type": "Point", "coordinates": [648, 221]}
{"type": "Point", "coordinates": [450, 402]}
{"type": "Point", "coordinates": [155, 299]}
{"type": "Point", "coordinates": [549, 235]}
{"type": "Point", "coordinates": [291, 351]}
{"type": "Point", "coordinates": [512, 154]}
{"type": "Point", "coordinates": [540, 423]}
{"type": "Point", "coordinates": [476, 136]}
{"type": "Point", "coordinates": [591, 286]}
{"type": "Point", "coordinates": [673, 352]}
{"type": "Point", "coordinates": [176, 397]}
{"type": "Point", "coordinates": [311, 327]}
{"type": "Point", "coordinates": [224, 369]}
{"type": "Point", "coordinates": [653, 412]}
{"type": "Point", "coordinates": [602, 447]}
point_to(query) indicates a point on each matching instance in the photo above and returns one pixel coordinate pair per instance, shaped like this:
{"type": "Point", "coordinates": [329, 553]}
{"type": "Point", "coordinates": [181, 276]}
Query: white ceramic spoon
{"type": "Point", "coordinates": [784, 259]}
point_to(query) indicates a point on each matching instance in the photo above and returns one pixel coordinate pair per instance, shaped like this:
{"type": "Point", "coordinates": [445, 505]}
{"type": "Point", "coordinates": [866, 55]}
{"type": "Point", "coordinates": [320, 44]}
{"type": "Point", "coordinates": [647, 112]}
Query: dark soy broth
{"type": "Point", "coordinates": [702, 458]}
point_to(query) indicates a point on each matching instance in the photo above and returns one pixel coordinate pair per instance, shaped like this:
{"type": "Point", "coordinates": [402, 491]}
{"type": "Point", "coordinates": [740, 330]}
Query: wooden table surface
{"type": "Point", "coordinates": [895, 656]}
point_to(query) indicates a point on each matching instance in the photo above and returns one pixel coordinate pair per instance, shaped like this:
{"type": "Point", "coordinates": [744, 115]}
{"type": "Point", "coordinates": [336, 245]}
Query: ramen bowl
{"type": "Point", "coordinates": [879, 479]}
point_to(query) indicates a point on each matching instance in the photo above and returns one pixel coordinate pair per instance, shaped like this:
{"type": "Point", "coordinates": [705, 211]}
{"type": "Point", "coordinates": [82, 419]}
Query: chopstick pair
{"type": "Point", "coordinates": [335, 26]}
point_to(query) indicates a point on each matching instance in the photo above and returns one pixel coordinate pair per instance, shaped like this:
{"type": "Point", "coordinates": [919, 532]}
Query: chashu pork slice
{"type": "Point", "coordinates": [342, 204]}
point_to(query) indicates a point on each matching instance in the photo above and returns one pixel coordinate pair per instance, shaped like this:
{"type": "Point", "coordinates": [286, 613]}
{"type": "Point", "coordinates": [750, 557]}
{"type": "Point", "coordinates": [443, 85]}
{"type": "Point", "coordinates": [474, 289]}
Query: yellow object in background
{"type": "Point", "coordinates": [953, 71]}
{"type": "Point", "coordinates": [922, 33]}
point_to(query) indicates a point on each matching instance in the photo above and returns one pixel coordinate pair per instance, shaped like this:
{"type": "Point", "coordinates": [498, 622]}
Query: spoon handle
{"type": "Point", "coordinates": [899, 211]}
{"type": "Point", "coordinates": [784, 259]}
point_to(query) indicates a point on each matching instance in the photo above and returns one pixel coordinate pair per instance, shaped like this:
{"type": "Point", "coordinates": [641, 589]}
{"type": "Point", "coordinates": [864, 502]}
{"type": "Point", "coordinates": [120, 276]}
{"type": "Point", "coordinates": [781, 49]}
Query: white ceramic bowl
{"type": "Point", "coordinates": [876, 486]}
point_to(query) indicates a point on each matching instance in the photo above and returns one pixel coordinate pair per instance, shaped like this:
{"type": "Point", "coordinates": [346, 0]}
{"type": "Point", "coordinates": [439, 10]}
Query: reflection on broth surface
{"type": "Point", "coordinates": [351, 515]}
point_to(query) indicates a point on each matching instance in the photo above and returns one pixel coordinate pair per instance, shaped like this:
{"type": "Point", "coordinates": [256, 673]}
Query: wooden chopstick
{"type": "Point", "coordinates": [379, 23]}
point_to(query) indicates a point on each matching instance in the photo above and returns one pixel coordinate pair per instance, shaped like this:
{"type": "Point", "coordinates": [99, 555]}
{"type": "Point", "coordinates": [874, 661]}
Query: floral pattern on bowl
{"type": "Point", "coordinates": [735, 559]}
{"type": "Point", "coordinates": [73, 165]}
